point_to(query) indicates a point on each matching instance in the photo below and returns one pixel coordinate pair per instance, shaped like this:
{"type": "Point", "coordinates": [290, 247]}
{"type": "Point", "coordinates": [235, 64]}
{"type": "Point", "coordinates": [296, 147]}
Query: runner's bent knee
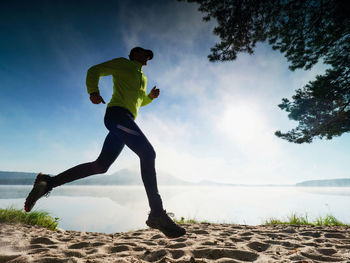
{"type": "Point", "coordinates": [147, 153]}
{"type": "Point", "coordinates": [100, 166]}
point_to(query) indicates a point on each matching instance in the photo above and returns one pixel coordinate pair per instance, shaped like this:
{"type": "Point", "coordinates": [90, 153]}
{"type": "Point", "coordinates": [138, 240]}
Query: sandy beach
{"type": "Point", "coordinates": [203, 243]}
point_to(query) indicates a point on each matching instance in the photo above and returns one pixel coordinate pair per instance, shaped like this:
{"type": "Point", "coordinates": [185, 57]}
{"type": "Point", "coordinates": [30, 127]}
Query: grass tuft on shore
{"type": "Point", "coordinates": [295, 219]}
{"type": "Point", "coordinates": [40, 218]}
{"type": "Point", "coordinates": [182, 220]}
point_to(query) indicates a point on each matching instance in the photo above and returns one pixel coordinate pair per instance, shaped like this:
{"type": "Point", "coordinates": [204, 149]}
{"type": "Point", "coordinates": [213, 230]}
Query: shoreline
{"type": "Point", "coordinates": [205, 242]}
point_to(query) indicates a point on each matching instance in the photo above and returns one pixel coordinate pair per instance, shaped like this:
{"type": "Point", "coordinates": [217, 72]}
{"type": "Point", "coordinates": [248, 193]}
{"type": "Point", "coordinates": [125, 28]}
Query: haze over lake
{"type": "Point", "coordinates": [122, 208]}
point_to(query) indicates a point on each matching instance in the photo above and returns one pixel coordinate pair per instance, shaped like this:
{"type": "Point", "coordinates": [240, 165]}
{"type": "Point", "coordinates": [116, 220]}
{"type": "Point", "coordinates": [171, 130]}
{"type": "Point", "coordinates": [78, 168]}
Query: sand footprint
{"type": "Point", "coordinates": [139, 248]}
{"type": "Point", "coordinates": [327, 251]}
{"type": "Point", "coordinates": [119, 248]}
{"type": "Point", "coordinates": [65, 239]}
{"type": "Point", "coordinates": [310, 234]}
{"type": "Point", "coordinates": [288, 230]}
{"type": "Point", "coordinates": [176, 253]}
{"type": "Point", "coordinates": [236, 240]}
{"type": "Point", "coordinates": [180, 239]}
{"type": "Point", "coordinates": [156, 236]}
{"type": "Point", "coordinates": [209, 243]}
{"type": "Point", "coordinates": [258, 246]}
{"type": "Point", "coordinates": [38, 250]}
{"type": "Point", "coordinates": [42, 240]}
{"type": "Point", "coordinates": [154, 255]}
{"type": "Point", "coordinates": [310, 244]}
{"type": "Point", "coordinates": [124, 243]}
{"type": "Point", "coordinates": [213, 253]}
{"type": "Point", "coordinates": [244, 234]}
{"type": "Point", "coordinates": [342, 246]}
{"type": "Point", "coordinates": [176, 245]}
{"type": "Point", "coordinates": [200, 232]}
{"type": "Point", "coordinates": [98, 244]}
{"type": "Point", "coordinates": [149, 243]}
{"type": "Point", "coordinates": [91, 251]}
{"type": "Point", "coordinates": [321, 257]}
{"type": "Point", "coordinates": [290, 245]}
{"type": "Point", "coordinates": [223, 234]}
{"type": "Point", "coordinates": [73, 253]}
{"type": "Point", "coordinates": [79, 245]}
{"type": "Point", "coordinates": [334, 235]}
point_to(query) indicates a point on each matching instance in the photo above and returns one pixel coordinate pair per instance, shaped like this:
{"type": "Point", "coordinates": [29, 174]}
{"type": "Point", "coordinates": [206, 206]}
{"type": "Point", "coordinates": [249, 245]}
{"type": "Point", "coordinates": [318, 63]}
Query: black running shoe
{"type": "Point", "coordinates": [41, 187]}
{"type": "Point", "coordinates": [165, 224]}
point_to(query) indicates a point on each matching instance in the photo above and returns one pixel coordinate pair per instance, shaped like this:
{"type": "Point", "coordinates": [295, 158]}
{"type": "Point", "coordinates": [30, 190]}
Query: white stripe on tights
{"type": "Point", "coordinates": [127, 130]}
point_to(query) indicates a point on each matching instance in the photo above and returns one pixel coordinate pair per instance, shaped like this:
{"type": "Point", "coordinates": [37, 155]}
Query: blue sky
{"type": "Point", "coordinates": [212, 121]}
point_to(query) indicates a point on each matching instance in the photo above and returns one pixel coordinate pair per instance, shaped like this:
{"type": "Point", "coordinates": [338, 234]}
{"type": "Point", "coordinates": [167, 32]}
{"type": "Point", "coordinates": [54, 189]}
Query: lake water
{"type": "Point", "coordinates": [122, 208]}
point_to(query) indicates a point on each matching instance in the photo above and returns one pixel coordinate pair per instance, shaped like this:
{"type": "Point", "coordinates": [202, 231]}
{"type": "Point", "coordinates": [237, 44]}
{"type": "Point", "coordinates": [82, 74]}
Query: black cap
{"type": "Point", "coordinates": [137, 49]}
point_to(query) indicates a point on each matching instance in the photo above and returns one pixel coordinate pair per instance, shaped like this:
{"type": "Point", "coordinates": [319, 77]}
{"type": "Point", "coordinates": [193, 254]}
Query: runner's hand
{"type": "Point", "coordinates": [96, 98]}
{"type": "Point", "coordinates": [154, 93]}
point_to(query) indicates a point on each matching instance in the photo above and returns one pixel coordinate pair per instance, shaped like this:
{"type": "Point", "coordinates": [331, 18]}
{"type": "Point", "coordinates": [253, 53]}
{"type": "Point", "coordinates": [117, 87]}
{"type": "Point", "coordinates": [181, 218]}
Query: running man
{"type": "Point", "coordinates": [129, 94]}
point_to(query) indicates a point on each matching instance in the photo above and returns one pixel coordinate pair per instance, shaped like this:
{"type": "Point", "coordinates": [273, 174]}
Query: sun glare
{"type": "Point", "coordinates": [241, 122]}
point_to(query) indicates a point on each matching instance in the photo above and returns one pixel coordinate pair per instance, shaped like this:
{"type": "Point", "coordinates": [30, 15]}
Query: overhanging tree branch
{"type": "Point", "coordinates": [305, 31]}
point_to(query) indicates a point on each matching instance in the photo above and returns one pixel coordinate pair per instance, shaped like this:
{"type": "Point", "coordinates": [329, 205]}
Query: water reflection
{"type": "Point", "coordinates": [122, 208]}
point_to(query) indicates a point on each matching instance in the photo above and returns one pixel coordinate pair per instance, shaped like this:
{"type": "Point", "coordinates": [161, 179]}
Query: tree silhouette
{"type": "Point", "coordinates": [305, 31]}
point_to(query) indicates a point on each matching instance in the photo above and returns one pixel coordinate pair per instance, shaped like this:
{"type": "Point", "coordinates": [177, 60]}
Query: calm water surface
{"type": "Point", "coordinates": [122, 208]}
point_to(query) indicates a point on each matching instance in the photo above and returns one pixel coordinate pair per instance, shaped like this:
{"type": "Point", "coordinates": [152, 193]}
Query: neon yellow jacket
{"type": "Point", "coordinates": [129, 83]}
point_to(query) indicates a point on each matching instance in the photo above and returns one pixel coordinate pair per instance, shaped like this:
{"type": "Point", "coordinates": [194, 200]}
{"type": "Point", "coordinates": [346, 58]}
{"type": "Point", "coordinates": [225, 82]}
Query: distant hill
{"type": "Point", "coordinates": [122, 177]}
{"type": "Point", "coordinates": [330, 182]}
{"type": "Point", "coordinates": [17, 178]}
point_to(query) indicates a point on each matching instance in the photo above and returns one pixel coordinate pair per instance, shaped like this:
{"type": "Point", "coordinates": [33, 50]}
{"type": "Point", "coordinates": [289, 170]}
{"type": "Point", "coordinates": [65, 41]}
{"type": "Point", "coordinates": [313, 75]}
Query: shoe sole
{"type": "Point", "coordinates": [37, 192]}
{"type": "Point", "coordinates": [151, 225]}
{"type": "Point", "coordinates": [163, 231]}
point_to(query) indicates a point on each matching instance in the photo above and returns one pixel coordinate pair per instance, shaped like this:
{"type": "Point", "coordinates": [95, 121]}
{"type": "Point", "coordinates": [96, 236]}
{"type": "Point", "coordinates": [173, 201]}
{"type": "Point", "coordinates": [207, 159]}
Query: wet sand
{"type": "Point", "coordinates": [205, 242]}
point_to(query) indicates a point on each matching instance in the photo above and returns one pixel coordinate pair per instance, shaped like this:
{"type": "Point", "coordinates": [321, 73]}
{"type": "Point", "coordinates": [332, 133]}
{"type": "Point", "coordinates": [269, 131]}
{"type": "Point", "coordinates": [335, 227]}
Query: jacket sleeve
{"type": "Point", "coordinates": [104, 69]}
{"type": "Point", "coordinates": [146, 100]}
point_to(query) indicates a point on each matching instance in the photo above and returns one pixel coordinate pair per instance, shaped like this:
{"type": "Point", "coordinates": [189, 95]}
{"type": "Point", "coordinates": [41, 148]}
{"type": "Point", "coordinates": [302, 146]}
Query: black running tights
{"type": "Point", "coordinates": [122, 131]}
